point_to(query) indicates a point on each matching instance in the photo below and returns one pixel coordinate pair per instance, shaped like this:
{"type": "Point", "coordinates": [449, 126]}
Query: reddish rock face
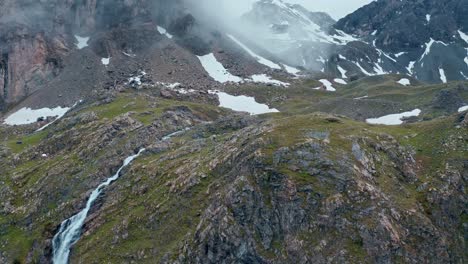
{"type": "Point", "coordinates": [34, 42]}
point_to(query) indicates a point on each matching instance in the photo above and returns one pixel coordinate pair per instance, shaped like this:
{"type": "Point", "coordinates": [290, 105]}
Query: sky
{"type": "Point", "coordinates": [336, 8]}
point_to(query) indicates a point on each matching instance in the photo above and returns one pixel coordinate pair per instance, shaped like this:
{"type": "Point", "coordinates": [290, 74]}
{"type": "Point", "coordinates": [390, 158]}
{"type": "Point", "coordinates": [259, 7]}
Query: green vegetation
{"type": "Point", "coordinates": [158, 204]}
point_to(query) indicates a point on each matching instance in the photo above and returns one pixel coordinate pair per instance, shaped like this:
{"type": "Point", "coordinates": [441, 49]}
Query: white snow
{"type": "Point", "coordinates": [216, 70]}
{"type": "Point", "coordinates": [404, 81]}
{"type": "Point", "coordinates": [394, 119]}
{"type": "Point", "coordinates": [131, 55]}
{"type": "Point", "coordinates": [443, 78]}
{"type": "Point", "coordinates": [362, 69]}
{"type": "Point", "coordinates": [136, 79]}
{"type": "Point", "coordinates": [378, 69]}
{"type": "Point", "coordinates": [163, 31]}
{"type": "Point", "coordinates": [464, 76]}
{"type": "Point", "coordinates": [328, 85]}
{"type": "Point", "coordinates": [259, 58]}
{"type": "Point", "coordinates": [169, 85]}
{"type": "Point", "coordinates": [400, 54]}
{"type": "Point", "coordinates": [429, 46]}
{"type": "Point", "coordinates": [82, 42]}
{"type": "Point", "coordinates": [343, 72]}
{"type": "Point", "coordinates": [105, 61]}
{"type": "Point", "coordinates": [410, 67]}
{"type": "Point", "coordinates": [27, 115]}
{"type": "Point", "coordinates": [428, 18]}
{"type": "Point", "coordinates": [463, 109]}
{"type": "Point", "coordinates": [362, 97]}
{"type": "Point", "coordinates": [263, 78]}
{"type": "Point", "coordinates": [340, 81]}
{"type": "Point", "coordinates": [463, 36]}
{"type": "Point", "coordinates": [243, 103]}
{"type": "Point", "coordinates": [291, 70]}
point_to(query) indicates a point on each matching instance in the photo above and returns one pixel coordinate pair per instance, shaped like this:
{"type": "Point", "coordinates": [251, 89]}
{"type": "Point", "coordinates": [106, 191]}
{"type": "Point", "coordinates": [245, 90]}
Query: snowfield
{"type": "Point", "coordinates": [82, 42]}
{"type": "Point", "coordinates": [216, 70]}
{"type": "Point", "coordinates": [26, 115]}
{"type": "Point", "coordinates": [327, 84]}
{"type": "Point", "coordinates": [404, 81]}
{"type": "Point", "coordinates": [105, 61]}
{"type": "Point", "coordinates": [340, 81]}
{"type": "Point", "coordinates": [243, 104]}
{"type": "Point", "coordinates": [443, 78]}
{"type": "Point", "coordinates": [463, 109]}
{"type": "Point", "coordinates": [394, 119]}
{"type": "Point", "coordinates": [263, 78]}
{"type": "Point", "coordinates": [163, 31]}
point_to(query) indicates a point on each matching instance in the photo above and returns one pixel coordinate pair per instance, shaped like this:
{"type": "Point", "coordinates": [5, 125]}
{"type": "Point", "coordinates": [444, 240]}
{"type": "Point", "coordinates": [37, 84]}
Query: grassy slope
{"type": "Point", "coordinates": [426, 138]}
{"type": "Point", "coordinates": [176, 213]}
{"type": "Point", "coordinates": [385, 96]}
{"type": "Point", "coordinates": [33, 174]}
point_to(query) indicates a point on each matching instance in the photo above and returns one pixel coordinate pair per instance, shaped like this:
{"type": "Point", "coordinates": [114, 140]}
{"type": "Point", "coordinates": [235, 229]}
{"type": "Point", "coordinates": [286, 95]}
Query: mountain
{"type": "Point", "coordinates": [423, 39]}
{"type": "Point", "coordinates": [428, 38]}
{"type": "Point", "coordinates": [150, 131]}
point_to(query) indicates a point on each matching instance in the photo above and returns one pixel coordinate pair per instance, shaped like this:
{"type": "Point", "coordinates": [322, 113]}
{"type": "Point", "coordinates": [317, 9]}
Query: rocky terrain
{"type": "Point", "coordinates": [425, 39]}
{"type": "Point", "coordinates": [305, 171]}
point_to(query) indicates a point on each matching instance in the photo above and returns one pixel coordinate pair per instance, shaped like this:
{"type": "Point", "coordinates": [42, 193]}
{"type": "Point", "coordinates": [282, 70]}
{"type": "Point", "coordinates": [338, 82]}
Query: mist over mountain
{"type": "Point", "coordinates": [196, 131]}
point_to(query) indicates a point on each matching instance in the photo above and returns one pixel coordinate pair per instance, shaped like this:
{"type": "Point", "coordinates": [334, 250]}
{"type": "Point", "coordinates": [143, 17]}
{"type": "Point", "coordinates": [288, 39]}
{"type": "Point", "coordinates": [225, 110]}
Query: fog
{"type": "Point", "coordinates": [257, 29]}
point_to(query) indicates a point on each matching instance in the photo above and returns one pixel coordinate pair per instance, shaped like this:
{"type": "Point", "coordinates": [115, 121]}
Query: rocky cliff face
{"type": "Point", "coordinates": [36, 39]}
{"type": "Point", "coordinates": [312, 184]}
{"type": "Point", "coordinates": [423, 39]}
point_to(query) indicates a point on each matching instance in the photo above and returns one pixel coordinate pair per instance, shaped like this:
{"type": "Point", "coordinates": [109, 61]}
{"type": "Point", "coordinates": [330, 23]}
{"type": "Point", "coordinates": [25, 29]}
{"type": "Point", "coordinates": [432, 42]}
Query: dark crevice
{"type": "Point", "coordinates": [4, 71]}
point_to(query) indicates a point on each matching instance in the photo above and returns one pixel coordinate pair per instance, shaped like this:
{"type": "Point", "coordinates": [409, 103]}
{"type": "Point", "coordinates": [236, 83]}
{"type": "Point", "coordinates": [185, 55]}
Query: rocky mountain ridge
{"type": "Point", "coordinates": [424, 39]}
{"type": "Point", "coordinates": [266, 161]}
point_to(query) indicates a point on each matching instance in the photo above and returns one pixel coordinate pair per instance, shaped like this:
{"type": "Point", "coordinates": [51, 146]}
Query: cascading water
{"type": "Point", "coordinates": [70, 229]}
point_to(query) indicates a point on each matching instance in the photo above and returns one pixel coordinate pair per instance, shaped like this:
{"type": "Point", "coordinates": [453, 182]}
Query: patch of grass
{"type": "Point", "coordinates": [26, 141]}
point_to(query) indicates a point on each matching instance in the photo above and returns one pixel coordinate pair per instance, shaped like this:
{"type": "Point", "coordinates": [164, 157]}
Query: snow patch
{"type": "Point", "coordinates": [410, 67]}
{"type": "Point", "coordinates": [362, 97]}
{"type": "Point", "coordinates": [27, 115]}
{"type": "Point", "coordinates": [400, 54]}
{"type": "Point", "coordinates": [343, 72]}
{"type": "Point", "coordinates": [394, 119]}
{"type": "Point", "coordinates": [404, 81]}
{"type": "Point", "coordinates": [216, 70]}
{"type": "Point", "coordinates": [263, 78]}
{"type": "Point", "coordinates": [243, 103]}
{"type": "Point", "coordinates": [291, 70]}
{"type": "Point", "coordinates": [105, 61]}
{"type": "Point", "coordinates": [443, 78]}
{"type": "Point", "coordinates": [429, 46]}
{"type": "Point", "coordinates": [340, 81]}
{"type": "Point", "coordinates": [463, 36]}
{"type": "Point", "coordinates": [136, 79]}
{"type": "Point", "coordinates": [163, 31]}
{"type": "Point", "coordinates": [463, 109]}
{"type": "Point", "coordinates": [169, 85]}
{"type": "Point", "coordinates": [131, 55]}
{"type": "Point", "coordinates": [327, 84]}
{"type": "Point", "coordinates": [82, 42]}
{"type": "Point", "coordinates": [362, 69]}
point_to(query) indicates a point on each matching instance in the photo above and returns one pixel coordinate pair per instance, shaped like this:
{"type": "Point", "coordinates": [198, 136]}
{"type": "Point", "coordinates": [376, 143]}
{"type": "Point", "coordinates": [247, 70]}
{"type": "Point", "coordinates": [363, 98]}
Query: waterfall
{"type": "Point", "coordinates": [70, 229]}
